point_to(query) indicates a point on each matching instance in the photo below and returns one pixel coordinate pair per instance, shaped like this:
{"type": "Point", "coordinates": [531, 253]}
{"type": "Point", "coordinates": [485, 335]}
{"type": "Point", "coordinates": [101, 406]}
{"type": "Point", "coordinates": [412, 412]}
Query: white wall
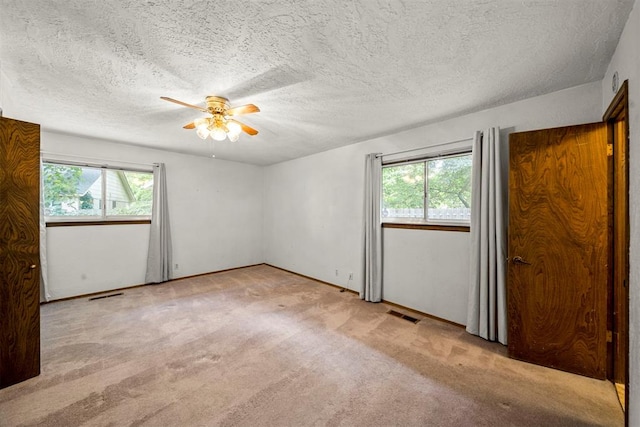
{"type": "Point", "coordinates": [626, 61]}
{"type": "Point", "coordinates": [84, 260]}
{"type": "Point", "coordinates": [427, 271]}
{"type": "Point", "coordinates": [313, 207]}
{"type": "Point", "coordinates": [215, 209]}
{"type": "Point", "coordinates": [5, 101]}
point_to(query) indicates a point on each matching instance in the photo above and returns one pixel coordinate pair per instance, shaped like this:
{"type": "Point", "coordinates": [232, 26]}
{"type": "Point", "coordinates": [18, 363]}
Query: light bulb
{"type": "Point", "coordinates": [202, 132]}
{"type": "Point", "coordinates": [218, 134]}
{"type": "Point", "coordinates": [233, 137]}
{"type": "Point", "coordinates": [199, 123]}
{"type": "Point", "coordinates": [234, 128]}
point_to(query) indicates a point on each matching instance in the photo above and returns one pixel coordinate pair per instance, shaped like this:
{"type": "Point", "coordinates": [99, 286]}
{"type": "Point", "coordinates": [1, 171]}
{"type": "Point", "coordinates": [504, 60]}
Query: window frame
{"type": "Point", "coordinates": [103, 218]}
{"type": "Point", "coordinates": [423, 223]}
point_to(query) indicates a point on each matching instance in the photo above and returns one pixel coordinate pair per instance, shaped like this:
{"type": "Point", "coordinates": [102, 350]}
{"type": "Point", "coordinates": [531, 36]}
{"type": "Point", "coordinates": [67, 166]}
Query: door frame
{"type": "Point", "coordinates": [618, 111]}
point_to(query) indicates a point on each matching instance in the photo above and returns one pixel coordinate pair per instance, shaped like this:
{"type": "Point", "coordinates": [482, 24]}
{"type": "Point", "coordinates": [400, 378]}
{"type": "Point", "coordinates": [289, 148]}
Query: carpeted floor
{"type": "Point", "coordinates": [262, 347]}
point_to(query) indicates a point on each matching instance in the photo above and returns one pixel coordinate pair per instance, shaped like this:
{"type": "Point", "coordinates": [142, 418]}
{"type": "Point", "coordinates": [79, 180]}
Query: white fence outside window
{"type": "Point", "coordinates": [448, 214]}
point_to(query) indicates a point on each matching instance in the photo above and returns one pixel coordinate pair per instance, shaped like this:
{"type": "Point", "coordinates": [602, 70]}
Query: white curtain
{"type": "Point", "coordinates": [372, 285]}
{"type": "Point", "coordinates": [159, 267]}
{"type": "Point", "coordinates": [486, 315]}
{"type": "Point", "coordinates": [44, 281]}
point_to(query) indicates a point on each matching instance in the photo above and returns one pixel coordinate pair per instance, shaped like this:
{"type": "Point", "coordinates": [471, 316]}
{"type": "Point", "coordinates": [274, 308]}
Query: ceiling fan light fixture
{"type": "Point", "coordinates": [218, 134]}
{"type": "Point", "coordinates": [234, 128]}
{"type": "Point", "coordinates": [202, 122]}
{"type": "Point", "coordinates": [233, 137]}
{"type": "Point", "coordinates": [202, 132]}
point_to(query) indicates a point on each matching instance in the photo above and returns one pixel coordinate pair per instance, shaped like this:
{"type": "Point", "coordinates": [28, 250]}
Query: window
{"type": "Point", "coordinates": [431, 191]}
{"type": "Point", "coordinates": [90, 193]}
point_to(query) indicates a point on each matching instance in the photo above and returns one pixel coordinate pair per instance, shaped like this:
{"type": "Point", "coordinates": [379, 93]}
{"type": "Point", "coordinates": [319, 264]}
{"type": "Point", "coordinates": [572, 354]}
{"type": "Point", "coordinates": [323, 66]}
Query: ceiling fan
{"type": "Point", "coordinates": [219, 124]}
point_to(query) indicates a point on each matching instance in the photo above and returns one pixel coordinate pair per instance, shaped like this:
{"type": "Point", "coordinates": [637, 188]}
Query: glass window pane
{"type": "Point", "coordinates": [403, 191]}
{"type": "Point", "coordinates": [449, 188]}
{"type": "Point", "coordinates": [71, 190]}
{"type": "Point", "coordinates": [129, 193]}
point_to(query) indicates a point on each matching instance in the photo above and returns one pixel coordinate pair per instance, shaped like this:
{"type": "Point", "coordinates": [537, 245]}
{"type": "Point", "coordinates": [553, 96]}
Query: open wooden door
{"type": "Point", "coordinates": [559, 248]}
{"type": "Point", "coordinates": [19, 251]}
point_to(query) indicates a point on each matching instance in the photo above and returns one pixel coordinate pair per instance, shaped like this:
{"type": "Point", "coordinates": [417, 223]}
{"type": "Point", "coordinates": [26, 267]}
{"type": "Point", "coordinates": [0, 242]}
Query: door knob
{"type": "Point", "coordinates": [519, 260]}
{"type": "Point", "coordinates": [32, 266]}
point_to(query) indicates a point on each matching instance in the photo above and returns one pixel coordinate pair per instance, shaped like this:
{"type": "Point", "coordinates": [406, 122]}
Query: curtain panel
{"type": "Point", "coordinates": [44, 265]}
{"type": "Point", "coordinates": [159, 259]}
{"type": "Point", "coordinates": [372, 285]}
{"type": "Point", "coordinates": [487, 309]}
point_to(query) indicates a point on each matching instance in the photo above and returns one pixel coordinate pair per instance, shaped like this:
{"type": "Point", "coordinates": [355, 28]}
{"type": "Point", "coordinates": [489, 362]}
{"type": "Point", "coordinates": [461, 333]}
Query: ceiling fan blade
{"type": "Point", "coordinates": [243, 109]}
{"type": "Point", "coordinates": [247, 129]}
{"type": "Point", "coordinates": [184, 104]}
{"type": "Point", "coordinates": [191, 125]}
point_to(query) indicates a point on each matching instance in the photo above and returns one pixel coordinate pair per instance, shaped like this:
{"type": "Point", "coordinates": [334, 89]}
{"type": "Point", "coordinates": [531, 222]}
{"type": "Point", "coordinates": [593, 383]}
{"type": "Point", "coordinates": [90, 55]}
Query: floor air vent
{"type": "Point", "coordinates": [106, 296]}
{"type": "Point", "coordinates": [403, 316]}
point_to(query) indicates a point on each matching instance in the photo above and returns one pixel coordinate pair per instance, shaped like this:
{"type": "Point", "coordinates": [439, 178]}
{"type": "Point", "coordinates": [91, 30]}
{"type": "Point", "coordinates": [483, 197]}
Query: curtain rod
{"type": "Point", "coordinates": [45, 153]}
{"type": "Point", "coordinates": [424, 148]}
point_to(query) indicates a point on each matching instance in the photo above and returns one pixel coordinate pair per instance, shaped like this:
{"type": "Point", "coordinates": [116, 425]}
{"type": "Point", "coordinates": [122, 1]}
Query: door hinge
{"type": "Point", "coordinates": [609, 150]}
{"type": "Point", "coordinates": [609, 336]}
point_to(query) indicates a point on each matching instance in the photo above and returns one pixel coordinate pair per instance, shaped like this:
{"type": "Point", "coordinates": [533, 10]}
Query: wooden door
{"type": "Point", "coordinates": [19, 251]}
{"type": "Point", "coordinates": [559, 248]}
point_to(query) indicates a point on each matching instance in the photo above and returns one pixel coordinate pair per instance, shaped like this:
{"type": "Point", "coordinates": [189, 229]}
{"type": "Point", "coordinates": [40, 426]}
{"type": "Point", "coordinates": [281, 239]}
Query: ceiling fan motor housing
{"type": "Point", "coordinates": [217, 104]}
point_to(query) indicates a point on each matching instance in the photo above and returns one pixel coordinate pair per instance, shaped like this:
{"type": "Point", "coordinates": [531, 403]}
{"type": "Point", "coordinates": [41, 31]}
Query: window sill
{"type": "Point", "coordinates": [99, 222]}
{"type": "Point", "coordinates": [423, 226]}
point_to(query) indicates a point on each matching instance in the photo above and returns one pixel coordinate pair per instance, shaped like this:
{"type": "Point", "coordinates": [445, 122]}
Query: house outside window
{"type": "Point", "coordinates": [430, 191]}
{"type": "Point", "coordinates": [81, 193]}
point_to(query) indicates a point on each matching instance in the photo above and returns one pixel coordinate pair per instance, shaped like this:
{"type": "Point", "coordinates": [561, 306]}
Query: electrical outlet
{"type": "Point", "coordinates": [350, 276]}
{"type": "Point", "coordinates": [177, 266]}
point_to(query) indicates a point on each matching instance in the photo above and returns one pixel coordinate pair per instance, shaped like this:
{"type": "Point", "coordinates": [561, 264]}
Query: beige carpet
{"type": "Point", "coordinates": [263, 347]}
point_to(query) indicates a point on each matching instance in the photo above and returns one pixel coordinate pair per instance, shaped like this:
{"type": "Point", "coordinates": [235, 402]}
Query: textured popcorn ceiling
{"type": "Point", "coordinates": [325, 73]}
